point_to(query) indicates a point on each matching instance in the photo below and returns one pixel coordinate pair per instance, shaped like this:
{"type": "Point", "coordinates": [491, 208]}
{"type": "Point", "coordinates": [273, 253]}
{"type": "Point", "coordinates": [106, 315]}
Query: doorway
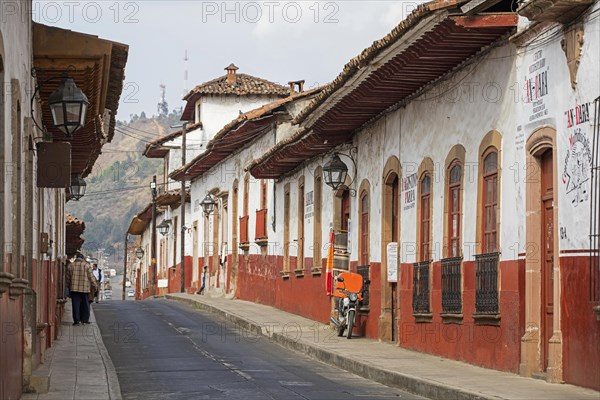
{"type": "Point", "coordinates": [547, 253]}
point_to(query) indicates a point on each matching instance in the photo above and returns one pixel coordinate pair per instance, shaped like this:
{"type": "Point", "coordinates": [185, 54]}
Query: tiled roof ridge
{"type": "Point", "coordinates": [418, 14]}
{"type": "Point", "coordinates": [279, 89]}
{"type": "Point", "coordinates": [256, 113]}
{"type": "Point", "coordinates": [173, 135]}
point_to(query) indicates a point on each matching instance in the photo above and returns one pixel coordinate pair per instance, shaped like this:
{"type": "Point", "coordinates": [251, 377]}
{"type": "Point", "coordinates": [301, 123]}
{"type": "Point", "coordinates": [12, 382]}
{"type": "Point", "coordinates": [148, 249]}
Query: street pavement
{"type": "Point", "coordinates": [423, 374]}
{"type": "Point", "coordinates": [166, 350]}
{"type": "Point", "coordinates": [77, 365]}
{"type": "Point", "coordinates": [80, 368]}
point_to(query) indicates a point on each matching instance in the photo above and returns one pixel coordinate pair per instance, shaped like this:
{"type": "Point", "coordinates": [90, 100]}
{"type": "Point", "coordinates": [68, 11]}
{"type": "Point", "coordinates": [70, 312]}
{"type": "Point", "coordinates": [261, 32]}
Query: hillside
{"type": "Point", "coordinates": [119, 185]}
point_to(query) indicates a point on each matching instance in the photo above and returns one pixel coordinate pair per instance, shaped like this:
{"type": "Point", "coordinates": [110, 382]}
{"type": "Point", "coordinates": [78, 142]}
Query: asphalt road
{"type": "Point", "coordinates": [165, 350]}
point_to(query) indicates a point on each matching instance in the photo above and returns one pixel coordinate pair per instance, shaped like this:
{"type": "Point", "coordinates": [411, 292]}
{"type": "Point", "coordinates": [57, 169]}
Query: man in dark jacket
{"type": "Point", "coordinates": [80, 281]}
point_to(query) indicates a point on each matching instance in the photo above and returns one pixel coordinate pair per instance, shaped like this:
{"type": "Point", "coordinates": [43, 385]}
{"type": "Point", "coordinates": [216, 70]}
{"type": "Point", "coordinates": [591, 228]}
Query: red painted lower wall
{"type": "Point", "coordinates": [11, 345]}
{"type": "Point", "coordinates": [260, 281]}
{"type": "Point", "coordinates": [496, 347]}
{"type": "Point", "coordinates": [580, 328]}
{"type": "Point", "coordinates": [175, 275]}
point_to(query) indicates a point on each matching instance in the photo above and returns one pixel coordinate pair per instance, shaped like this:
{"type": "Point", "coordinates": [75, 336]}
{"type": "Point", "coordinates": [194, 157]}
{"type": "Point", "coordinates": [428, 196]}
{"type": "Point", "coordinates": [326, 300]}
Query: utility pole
{"type": "Point", "coordinates": [153, 246]}
{"type": "Point", "coordinates": [125, 265]}
{"type": "Point", "coordinates": [183, 150]}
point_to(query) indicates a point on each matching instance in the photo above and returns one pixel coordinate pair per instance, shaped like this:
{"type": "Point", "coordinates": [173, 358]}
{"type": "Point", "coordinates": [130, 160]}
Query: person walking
{"type": "Point", "coordinates": [80, 281]}
{"type": "Point", "coordinates": [201, 291]}
{"type": "Point", "coordinates": [98, 275]}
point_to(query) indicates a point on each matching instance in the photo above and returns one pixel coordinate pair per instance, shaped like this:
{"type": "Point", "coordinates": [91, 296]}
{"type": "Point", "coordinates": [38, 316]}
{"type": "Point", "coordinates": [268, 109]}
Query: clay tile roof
{"type": "Point", "coordinates": [244, 85]}
{"type": "Point", "coordinates": [154, 149]}
{"type": "Point", "coordinates": [235, 135]}
{"type": "Point", "coordinates": [376, 48]}
{"type": "Point", "coordinates": [71, 220]}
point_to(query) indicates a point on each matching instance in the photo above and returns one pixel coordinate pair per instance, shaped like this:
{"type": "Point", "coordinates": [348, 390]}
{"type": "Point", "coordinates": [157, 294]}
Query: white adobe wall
{"type": "Point", "coordinates": [426, 128]}
{"type": "Point", "coordinates": [216, 111]}
{"type": "Point", "coordinates": [573, 147]}
{"type": "Point", "coordinates": [222, 177]}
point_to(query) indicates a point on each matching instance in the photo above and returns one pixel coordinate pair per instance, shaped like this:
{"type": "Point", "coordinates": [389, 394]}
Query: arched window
{"type": "Point", "coordinates": [317, 228]}
{"type": "Point", "coordinates": [490, 201]}
{"type": "Point", "coordinates": [454, 210]}
{"type": "Point", "coordinates": [395, 208]}
{"type": "Point", "coordinates": [364, 228]}
{"type": "Point", "coordinates": [246, 194]}
{"type": "Point", "coordinates": [425, 222]}
{"type": "Point", "coordinates": [345, 210]}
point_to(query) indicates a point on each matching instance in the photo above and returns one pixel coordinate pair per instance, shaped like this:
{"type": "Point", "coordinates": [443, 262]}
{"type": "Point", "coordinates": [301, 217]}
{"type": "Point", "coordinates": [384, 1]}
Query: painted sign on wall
{"type": "Point", "coordinates": [392, 262]}
{"type": "Point", "coordinates": [409, 187]}
{"type": "Point", "coordinates": [537, 87]}
{"type": "Point", "coordinates": [578, 160]}
{"type": "Point", "coordinates": [309, 200]}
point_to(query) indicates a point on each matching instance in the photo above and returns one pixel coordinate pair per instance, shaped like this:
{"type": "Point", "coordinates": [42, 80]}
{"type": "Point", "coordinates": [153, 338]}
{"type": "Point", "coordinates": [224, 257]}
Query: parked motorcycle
{"type": "Point", "coordinates": [349, 290]}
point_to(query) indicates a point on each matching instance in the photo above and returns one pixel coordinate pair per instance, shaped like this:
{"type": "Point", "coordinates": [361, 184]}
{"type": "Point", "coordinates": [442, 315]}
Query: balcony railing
{"type": "Point", "coordinates": [486, 283]}
{"type": "Point", "coordinates": [451, 285]}
{"type": "Point", "coordinates": [244, 230]}
{"type": "Point", "coordinates": [421, 287]}
{"type": "Point", "coordinates": [261, 225]}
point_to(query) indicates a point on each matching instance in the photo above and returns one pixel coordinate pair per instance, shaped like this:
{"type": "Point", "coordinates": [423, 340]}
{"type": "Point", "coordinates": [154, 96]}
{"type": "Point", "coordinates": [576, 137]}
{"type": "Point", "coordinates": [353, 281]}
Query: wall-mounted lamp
{"type": "Point", "coordinates": [139, 253]}
{"type": "Point", "coordinates": [68, 105]}
{"type": "Point", "coordinates": [49, 252]}
{"type": "Point", "coordinates": [163, 227]}
{"type": "Point", "coordinates": [77, 187]}
{"type": "Point", "coordinates": [208, 204]}
{"type": "Point", "coordinates": [335, 172]}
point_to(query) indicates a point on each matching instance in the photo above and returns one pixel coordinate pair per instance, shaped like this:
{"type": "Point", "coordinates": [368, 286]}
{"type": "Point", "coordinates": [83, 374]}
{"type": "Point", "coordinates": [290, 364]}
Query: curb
{"type": "Point", "coordinates": [114, 389]}
{"type": "Point", "coordinates": [410, 383]}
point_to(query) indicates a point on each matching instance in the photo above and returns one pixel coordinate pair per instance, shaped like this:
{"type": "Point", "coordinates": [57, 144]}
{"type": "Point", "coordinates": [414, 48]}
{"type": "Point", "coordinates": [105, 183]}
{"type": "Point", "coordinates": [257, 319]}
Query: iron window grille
{"type": "Point", "coordinates": [421, 287]}
{"type": "Point", "coordinates": [451, 285]}
{"type": "Point", "coordinates": [486, 283]}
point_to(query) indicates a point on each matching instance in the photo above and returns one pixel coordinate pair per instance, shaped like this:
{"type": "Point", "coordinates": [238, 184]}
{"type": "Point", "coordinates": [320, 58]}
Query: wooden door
{"type": "Point", "coordinates": [547, 253]}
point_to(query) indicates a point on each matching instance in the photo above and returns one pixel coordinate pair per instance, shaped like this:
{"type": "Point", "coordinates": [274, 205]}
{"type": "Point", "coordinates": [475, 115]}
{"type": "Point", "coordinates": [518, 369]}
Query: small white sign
{"type": "Point", "coordinates": [392, 262]}
{"type": "Point", "coordinates": [162, 283]}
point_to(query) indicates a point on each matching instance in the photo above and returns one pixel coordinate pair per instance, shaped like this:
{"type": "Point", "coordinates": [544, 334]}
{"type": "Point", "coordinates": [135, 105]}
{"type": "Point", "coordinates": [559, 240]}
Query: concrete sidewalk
{"type": "Point", "coordinates": [419, 373]}
{"type": "Point", "coordinates": [77, 365]}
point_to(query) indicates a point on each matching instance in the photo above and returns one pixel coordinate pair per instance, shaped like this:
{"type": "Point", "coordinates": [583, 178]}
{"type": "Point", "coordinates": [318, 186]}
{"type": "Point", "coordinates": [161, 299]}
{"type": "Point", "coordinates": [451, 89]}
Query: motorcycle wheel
{"type": "Point", "coordinates": [350, 323]}
{"type": "Point", "coordinates": [340, 330]}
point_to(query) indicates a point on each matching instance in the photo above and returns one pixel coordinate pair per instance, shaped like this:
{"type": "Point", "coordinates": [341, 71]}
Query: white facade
{"type": "Point", "coordinates": [220, 181]}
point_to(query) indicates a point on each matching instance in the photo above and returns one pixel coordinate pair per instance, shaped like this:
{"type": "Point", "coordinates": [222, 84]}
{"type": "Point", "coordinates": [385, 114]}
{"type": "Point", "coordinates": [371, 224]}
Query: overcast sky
{"type": "Point", "coordinates": [275, 40]}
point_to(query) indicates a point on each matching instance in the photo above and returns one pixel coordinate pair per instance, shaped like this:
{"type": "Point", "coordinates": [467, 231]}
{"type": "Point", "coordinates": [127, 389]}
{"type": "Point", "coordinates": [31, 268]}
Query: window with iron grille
{"type": "Point", "coordinates": [486, 283]}
{"type": "Point", "coordinates": [363, 270]}
{"type": "Point", "coordinates": [451, 285]}
{"type": "Point", "coordinates": [421, 287]}
{"type": "Point", "coordinates": [425, 217]}
{"type": "Point", "coordinates": [490, 201]}
{"type": "Point", "coordinates": [454, 210]}
{"type": "Point", "coordinates": [364, 243]}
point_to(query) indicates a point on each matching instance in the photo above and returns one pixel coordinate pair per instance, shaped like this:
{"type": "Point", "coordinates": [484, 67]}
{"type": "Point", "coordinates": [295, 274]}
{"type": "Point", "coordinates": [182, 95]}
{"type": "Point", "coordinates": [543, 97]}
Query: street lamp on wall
{"type": "Point", "coordinates": [335, 171]}
{"type": "Point", "coordinates": [68, 105]}
{"type": "Point", "coordinates": [163, 228]}
{"type": "Point", "coordinates": [208, 204]}
{"type": "Point", "coordinates": [77, 187]}
{"type": "Point", "coordinates": [139, 253]}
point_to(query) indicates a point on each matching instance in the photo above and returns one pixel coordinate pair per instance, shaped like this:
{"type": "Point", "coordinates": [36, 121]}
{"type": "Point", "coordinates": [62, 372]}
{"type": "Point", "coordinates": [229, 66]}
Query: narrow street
{"type": "Point", "coordinates": [164, 350]}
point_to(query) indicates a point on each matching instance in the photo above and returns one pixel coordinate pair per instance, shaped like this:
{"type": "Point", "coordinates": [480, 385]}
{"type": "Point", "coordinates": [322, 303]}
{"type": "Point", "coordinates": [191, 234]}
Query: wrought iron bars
{"type": "Point", "coordinates": [486, 283]}
{"type": "Point", "coordinates": [421, 287]}
{"type": "Point", "coordinates": [451, 285]}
